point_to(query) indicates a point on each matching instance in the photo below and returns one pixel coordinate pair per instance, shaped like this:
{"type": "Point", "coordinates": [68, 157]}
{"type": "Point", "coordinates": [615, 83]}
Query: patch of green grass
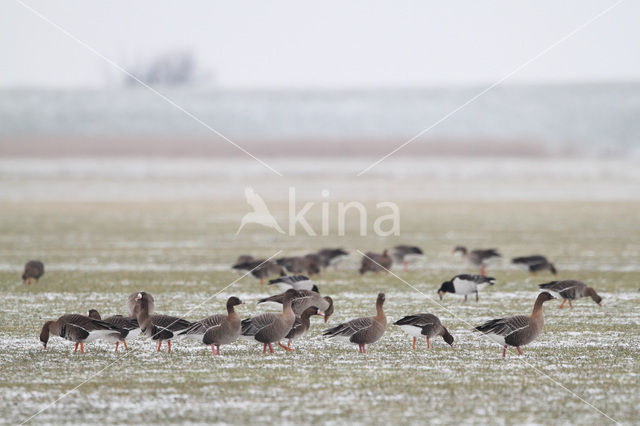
{"type": "Point", "coordinates": [97, 254]}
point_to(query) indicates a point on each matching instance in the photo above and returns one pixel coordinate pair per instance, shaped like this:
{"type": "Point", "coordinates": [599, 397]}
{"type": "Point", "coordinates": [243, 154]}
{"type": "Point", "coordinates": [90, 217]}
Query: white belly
{"type": "Point", "coordinates": [412, 330]}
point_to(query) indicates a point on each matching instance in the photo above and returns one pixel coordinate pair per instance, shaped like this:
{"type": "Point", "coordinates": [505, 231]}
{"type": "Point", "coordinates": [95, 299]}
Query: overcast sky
{"type": "Point", "coordinates": [325, 44]}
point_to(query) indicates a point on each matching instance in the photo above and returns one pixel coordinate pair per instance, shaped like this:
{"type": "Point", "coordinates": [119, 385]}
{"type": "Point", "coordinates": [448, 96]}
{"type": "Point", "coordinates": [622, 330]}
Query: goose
{"type": "Point", "coordinates": [478, 257]}
{"type": "Point", "coordinates": [129, 326]}
{"type": "Point", "coordinates": [260, 268]}
{"type": "Point", "coordinates": [465, 284]}
{"type": "Point", "coordinates": [244, 258]}
{"type": "Point", "coordinates": [309, 264]}
{"type": "Point", "coordinates": [304, 300]}
{"type": "Point", "coordinates": [535, 263]}
{"type": "Point", "coordinates": [157, 327]}
{"type": "Point", "coordinates": [518, 330]}
{"type": "Point", "coordinates": [375, 262]}
{"type": "Point", "coordinates": [331, 257]}
{"type": "Point", "coordinates": [218, 329]}
{"type": "Point", "coordinates": [271, 327]}
{"type": "Point", "coordinates": [398, 253]}
{"type": "Point", "coordinates": [424, 325]}
{"type": "Point", "coordinates": [571, 290]}
{"type": "Point", "coordinates": [32, 269]}
{"type": "Point", "coordinates": [79, 329]}
{"type": "Point", "coordinates": [362, 331]}
{"type": "Point", "coordinates": [300, 326]}
{"type": "Point", "coordinates": [296, 282]}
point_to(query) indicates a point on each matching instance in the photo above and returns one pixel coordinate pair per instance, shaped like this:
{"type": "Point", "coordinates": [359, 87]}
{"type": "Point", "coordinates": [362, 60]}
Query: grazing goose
{"type": "Point", "coordinates": [309, 264]}
{"type": "Point", "coordinates": [296, 282]}
{"type": "Point", "coordinates": [518, 330]}
{"type": "Point", "coordinates": [158, 327]}
{"type": "Point", "coordinates": [362, 331]}
{"type": "Point", "coordinates": [218, 329]}
{"type": "Point", "coordinates": [304, 300]}
{"type": "Point", "coordinates": [571, 290]}
{"type": "Point", "coordinates": [77, 328]}
{"type": "Point", "coordinates": [478, 257]}
{"type": "Point", "coordinates": [260, 268]}
{"type": "Point", "coordinates": [32, 269]}
{"type": "Point", "coordinates": [331, 257]}
{"type": "Point", "coordinates": [375, 262]}
{"type": "Point", "coordinates": [244, 258]}
{"type": "Point", "coordinates": [535, 263]}
{"type": "Point", "coordinates": [129, 326]}
{"type": "Point", "coordinates": [424, 325]}
{"type": "Point", "coordinates": [271, 327]}
{"type": "Point", "coordinates": [300, 326]}
{"type": "Point", "coordinates": [398, 253]}
{"type": "Point", "coordinates": [465, 284]}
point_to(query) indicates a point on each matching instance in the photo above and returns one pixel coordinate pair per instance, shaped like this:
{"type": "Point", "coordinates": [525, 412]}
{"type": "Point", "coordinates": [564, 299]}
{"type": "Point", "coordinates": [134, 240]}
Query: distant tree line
{"type": "Point", "coordinates": [175, 68]}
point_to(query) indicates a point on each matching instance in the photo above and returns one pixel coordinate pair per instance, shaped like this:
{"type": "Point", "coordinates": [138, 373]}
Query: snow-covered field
{"type": "Point", "coordinates": [583, 369]}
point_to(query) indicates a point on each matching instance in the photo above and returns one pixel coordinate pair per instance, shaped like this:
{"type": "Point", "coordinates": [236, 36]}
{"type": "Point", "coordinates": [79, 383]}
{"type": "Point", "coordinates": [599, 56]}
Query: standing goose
{"type": "Point", "coordinates": [518, 330]}
{"type": "Point", "coordinates": [424, 325]}
{"type": "Point", "coordinates": [398, 253]}
{"type": "Point", "coordinates": [261, 268]}
{"type": "Point", "coordinates": [296, 282]}
{"type": "Point", "coordinates": [305, 300]}
{"type": "Point", "coordinates": [571, 290]}
{"type": "Point", "coordinates": [77, 328]}
{"type": "Point", "coordinates": [129, 326]}
{"type": "Point", "coordinates": [32, 269]}
{"type": "Point", "coordinates": [158, 327]}
{"type": "Point", "coordinates": [329, 257]}
{"type": "Point", "coordinates": [362, 331]}
{"type": "Point", "coordinates": [218, 329]}
{"type": "Point", "coordinates": [465, 284]}
{"type": "Point", "coordinates": [375, 262]}
{"type": "Point", "coordinates": [309, 264]}
{"type": "Point", "coordinates": [535, 263]}
{"type": "Point", "coordinates": [478, 257]}
{"type": "Point", "coordinates": [271, 327]}
{"type": "Point", "coordinates": [300, 326]}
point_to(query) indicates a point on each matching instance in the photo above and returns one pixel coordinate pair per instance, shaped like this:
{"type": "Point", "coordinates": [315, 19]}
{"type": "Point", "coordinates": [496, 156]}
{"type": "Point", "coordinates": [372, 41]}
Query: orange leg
{"type": "Point", "coordinates": [159, 345]}
{"type": "Point", "coordinates": [427, 343]}
{"type": "Point", "coordinates": [117, 343]}
{"type": "Point", "coordinates": [562, 304]}
{"type": "Point", "coordinates": [81, 347]}
{"type": "Point", "coordinates": [364, 349]}
{"type": "Point", "coordinates": [76, 348]}
{"type": "Point", "coordinates": [169, 344]}
{"type": "Point", "coordinates": [264, 349]}
{"type": "Point", "coordinates": [519, 350]}
{"type": "Point", "coordinates": [570, 305]}
{"type": "Point", "coordinates": [213, 349]}
{"type": "Point", "coordinates": [218, 347]}
{"type": "Point", "coordinates": [504, 351]}
{"type": "Point", "coordinates": [270, 348]}
{"type": "Point", "coordinates": [406, 265]}
{"type": "Point", "coordinates": [286, 348]}
{"type": "Point", "coordinates": [28, 281]}
{"type": "Point", "coordinates": [414, 343]}
{"type": "Point", "coordinates": [261, 280]}
{"type": "Point", "coordinates": [124, 342]}
{"type": "Point", "coordinates": [483, 270]}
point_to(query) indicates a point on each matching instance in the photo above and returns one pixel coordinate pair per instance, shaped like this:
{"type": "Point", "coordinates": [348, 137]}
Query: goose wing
{"type": "Point", "coordinates": [505, 327]}
{"type": "Point", "coordinates": [349, 328]}
{"type": "Point", "coordinates": [251, 326]}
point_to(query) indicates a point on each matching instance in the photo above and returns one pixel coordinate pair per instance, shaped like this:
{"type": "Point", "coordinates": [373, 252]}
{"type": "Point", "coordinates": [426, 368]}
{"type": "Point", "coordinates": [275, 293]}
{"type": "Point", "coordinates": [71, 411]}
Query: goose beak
{"type": "Point", "coordinates": [440, 293]}
{"type": "Point", "coordinates": [600, 304]}
{"type": "Point", "coordinates": [326, 318]}
{"type": "Point", "coordinates": [138, 297]}
{"type": "Point", "coordinates": [44, 345]}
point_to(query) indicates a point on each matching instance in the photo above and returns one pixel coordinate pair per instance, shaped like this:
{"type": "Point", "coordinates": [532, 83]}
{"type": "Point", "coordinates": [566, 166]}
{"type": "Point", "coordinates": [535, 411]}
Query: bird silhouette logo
{"type": "Point", "coordinates": [260, 214]}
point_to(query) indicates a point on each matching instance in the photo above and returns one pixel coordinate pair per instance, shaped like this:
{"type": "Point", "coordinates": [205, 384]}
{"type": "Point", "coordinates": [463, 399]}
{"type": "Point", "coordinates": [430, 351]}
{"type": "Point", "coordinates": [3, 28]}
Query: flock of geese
{"type": "Point", "coordinates": [301, 299]}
